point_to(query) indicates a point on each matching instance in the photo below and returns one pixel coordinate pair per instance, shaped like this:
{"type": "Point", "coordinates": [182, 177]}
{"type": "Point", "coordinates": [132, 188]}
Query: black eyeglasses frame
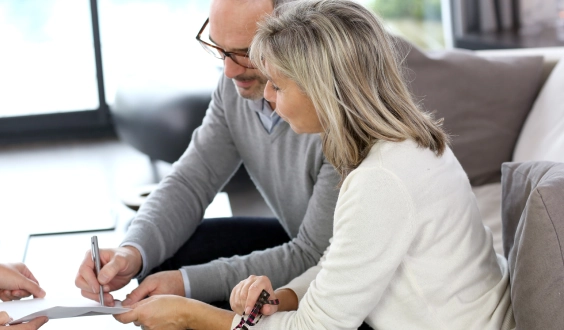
{"type": "Point", "coordinates": [231, 55]}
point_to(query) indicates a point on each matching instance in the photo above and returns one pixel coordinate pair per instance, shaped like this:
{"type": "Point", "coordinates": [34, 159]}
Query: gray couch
{"type": "Point", "coordinates": [533, 241]}
{"type": "Point", "coordinates": [540, 137]}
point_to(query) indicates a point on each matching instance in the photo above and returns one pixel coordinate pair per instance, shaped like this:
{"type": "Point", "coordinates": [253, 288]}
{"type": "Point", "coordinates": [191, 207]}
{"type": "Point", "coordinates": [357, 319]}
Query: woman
{"type": "Point", "coordinates": [409, 249]}
{"type": "Point", "coordinates": [16, 282]}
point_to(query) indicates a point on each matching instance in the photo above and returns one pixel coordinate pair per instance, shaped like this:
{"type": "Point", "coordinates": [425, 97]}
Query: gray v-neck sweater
{"type": "Point", "coordinates": [290, 172]}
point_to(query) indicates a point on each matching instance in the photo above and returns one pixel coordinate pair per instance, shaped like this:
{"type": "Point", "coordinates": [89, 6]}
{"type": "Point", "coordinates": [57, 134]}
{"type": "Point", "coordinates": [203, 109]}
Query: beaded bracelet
{"type": "Point", "coordinates": [262, 300]}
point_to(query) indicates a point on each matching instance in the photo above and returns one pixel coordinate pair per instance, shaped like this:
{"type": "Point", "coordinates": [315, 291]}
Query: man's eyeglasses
{"type": "Point", "coordinates": [240, 58]}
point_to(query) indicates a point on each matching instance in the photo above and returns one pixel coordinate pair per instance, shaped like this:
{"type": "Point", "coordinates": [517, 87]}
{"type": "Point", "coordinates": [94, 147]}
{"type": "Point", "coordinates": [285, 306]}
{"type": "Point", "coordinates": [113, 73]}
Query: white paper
{"type": "Point", "coordinates": [28, 309]}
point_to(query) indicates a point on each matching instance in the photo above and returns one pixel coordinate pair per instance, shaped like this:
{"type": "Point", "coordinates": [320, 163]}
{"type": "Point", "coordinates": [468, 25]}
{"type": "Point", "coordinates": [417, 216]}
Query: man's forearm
{"type": "Point", "coordinates": [214, 281]}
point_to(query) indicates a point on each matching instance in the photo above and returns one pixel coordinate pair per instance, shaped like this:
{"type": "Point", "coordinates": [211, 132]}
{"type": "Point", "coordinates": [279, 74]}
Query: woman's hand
{"type": "Point", "coordinates": [245, 295]}
{"type": "Point", "coordinates": [31, 325]}
{"type": "Point", "coordinates": [157, 313]}
{"type": "Point", "coordinates": [16, 282]}
{"type": "Point", "coordinates": [164, 312]}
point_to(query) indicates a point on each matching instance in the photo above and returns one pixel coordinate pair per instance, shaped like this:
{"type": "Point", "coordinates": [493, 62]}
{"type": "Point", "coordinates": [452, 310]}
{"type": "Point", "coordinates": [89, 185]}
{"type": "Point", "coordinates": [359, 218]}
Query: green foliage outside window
{"type": "Point", "coordinates": [419, 21]}
{"type": "Point", "coordinates": [414, 9]}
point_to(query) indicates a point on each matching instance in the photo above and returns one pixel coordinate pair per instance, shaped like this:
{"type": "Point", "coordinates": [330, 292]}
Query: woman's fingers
{"type": "Point", "coordinates": [269, 309]}
{"type": "Point", "coordinates": [234, 299]}
{"type": "Point", "coordinates": [244, 296]}
{"type": "Point", "coordinates": [239, 294]}
{"type": "Point", "coordinates": [255, 289]}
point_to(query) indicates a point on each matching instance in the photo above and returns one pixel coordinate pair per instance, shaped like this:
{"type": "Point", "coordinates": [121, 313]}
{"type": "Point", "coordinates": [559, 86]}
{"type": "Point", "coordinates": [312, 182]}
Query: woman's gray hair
{"type": "Point", "coordinates": [340, 55]}
{"type": "Point", "coordinates": [278, 3]}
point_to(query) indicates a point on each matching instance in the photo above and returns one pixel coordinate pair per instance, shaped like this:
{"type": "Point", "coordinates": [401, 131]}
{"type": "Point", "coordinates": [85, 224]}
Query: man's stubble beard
{"type": "Point", "coordinates": [256, 92]}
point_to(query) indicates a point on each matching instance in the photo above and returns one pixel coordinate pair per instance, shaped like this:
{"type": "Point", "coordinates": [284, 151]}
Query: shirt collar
{"type": "Point", "coordinates": [263, 107]}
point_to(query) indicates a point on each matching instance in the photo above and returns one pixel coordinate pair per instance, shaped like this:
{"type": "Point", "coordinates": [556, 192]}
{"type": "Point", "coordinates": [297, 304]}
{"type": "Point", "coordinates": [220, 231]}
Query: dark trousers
{"type": "Point", "coordinates": [226, 237]}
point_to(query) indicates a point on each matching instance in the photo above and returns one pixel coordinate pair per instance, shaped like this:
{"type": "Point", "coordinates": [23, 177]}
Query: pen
{"type": "Point", "coordinates": [96, 259]}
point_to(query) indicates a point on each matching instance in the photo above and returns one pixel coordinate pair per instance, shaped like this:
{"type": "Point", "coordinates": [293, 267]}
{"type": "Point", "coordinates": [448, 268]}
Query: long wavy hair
{"type": "Point", "coordinates": [340, 55]}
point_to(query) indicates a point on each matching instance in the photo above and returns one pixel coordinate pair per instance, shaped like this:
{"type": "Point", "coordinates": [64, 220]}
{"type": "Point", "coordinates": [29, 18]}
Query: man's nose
{"type": "Point", "coordinates": [232, 69]}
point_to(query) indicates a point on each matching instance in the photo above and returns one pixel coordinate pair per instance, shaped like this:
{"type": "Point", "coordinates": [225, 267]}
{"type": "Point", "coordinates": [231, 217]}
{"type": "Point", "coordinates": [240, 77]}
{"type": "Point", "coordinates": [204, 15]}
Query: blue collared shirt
{"type": "Point", "coordinates": [267, 116]}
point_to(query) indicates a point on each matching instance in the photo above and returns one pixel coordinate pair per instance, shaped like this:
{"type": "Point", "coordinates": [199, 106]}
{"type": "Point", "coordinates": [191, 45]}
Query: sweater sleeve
{"type": "Point", "coordinates": [174, 210]}
{"type": "Point", "coordinates": [372, 233]}
{"type": "Point", "coordinates": [301, 283]}
{"type": "Point", "coordinates": [214, 281]}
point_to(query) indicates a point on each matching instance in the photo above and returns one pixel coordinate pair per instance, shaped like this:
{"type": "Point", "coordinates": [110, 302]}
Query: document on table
{"type": "Point", "coordinates": [28, 309]}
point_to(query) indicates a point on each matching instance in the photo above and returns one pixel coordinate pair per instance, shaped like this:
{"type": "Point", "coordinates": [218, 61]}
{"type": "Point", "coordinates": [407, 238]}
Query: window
{"type": "Point", "coordinates": [47, 58]}
{"type": "Point", "coordinates": [63, 60]}
{"type": "Point", "coordinates": [419, 21]}
{"type": "Point", "coordinates": [152, 43]}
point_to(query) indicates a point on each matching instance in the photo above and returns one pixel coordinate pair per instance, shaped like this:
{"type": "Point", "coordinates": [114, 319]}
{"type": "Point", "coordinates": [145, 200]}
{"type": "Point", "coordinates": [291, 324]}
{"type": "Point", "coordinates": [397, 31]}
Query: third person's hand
{"type": "Point", "coordinates": [31, 325]}
{"type": "Point", "coordinates": [16, 282]}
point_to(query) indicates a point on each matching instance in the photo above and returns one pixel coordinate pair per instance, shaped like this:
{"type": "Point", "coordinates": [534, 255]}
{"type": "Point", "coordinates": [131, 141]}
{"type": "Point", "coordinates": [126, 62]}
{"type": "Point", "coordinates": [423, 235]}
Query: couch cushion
{"type": "Point", "coordinates": [488, 198]}
{"type": "Point", "coordinates": [484, 102]}
{"type": "Point", "coordinates": [533, 234]}
{"type": "Point", "coordinates": [542, 137]}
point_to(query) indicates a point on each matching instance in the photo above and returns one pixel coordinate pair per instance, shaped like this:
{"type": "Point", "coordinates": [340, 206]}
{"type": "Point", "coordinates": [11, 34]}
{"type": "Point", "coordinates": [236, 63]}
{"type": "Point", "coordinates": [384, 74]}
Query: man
{"type": "Point", "coordinates": [288, 169]}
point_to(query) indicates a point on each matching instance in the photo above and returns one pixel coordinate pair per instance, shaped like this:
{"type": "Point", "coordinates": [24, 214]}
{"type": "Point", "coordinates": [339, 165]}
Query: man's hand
{"type": "Point", "coordinates": [16, 282]}
{"type": "Point", "coordinates": [31, 325]}
{"type": "Point", "coordinates": [119, 266]}
{"type": "Point", "coordinates": [167, 282]}
{"type": "Point", "coordinates": [245, 295]}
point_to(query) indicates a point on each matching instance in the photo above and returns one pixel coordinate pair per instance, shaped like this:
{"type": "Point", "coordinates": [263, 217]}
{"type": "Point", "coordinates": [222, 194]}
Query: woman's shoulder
{"type": "Point", "coordinates": [407, 161]}
{"type": "Point", "coordinates": [385, 159]}
{"type": "Point", "coordinates": [387, 154]}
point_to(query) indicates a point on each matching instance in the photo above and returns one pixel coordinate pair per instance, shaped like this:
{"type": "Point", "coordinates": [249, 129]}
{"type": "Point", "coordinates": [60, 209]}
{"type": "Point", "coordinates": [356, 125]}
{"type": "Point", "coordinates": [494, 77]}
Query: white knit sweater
{"type": "Point", "coordinates": [409, 251]}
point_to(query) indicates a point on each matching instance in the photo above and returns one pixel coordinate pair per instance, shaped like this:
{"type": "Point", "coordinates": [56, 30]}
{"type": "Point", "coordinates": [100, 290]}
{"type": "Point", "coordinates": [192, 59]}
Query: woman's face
{"type": "Point", "coordinates": [291, 103]}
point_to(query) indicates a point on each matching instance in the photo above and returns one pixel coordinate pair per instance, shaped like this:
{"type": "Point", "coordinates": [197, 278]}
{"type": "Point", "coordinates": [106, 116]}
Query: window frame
{"type": "Point", "coordinates": [80, 123]}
